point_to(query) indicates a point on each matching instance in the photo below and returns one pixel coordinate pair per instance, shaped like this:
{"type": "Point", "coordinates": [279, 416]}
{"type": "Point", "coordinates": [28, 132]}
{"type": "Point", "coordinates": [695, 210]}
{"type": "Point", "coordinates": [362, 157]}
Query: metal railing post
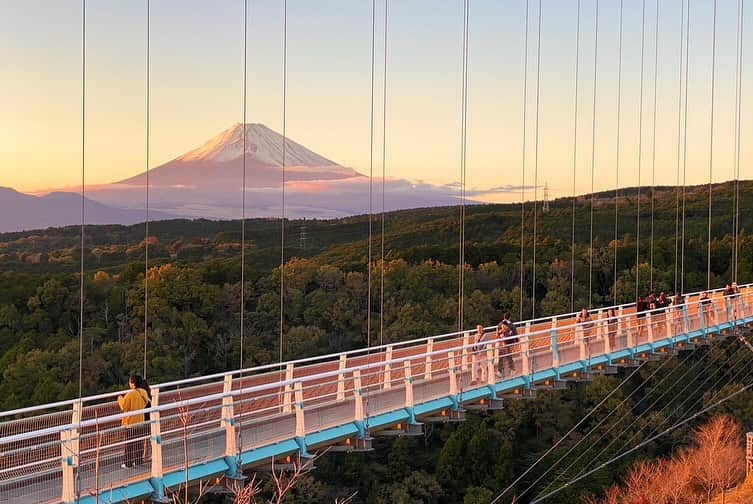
{"type": "Point", "coordinates": [555, 344]}
{"type": "Point", "coordinates": [427, 366]}
{"type": "Point", "coordinates": [453, 374]}
{"type": "Point", "coordinates": [155, 441]}
{"type": "Point", "coordinates": [69, 454]}
{"type": "Point", "coordinates": [388, 369]}
{"type": "Point", "coordinates": [491, 377]}
{"type": "Point", "coordinates": [524, 346]}
{"type": "Point", "coordinates": [464, 355]}
{"type": "Point", "coordinates": [358, 396]}
{"type": "Point", "coordinates": [287, 401]}
{"type": "Point", "coordinates": [580, 339]}
{"type": "Point", "coordinates": [228, 418]}
{"type": "Point", "coordinates": [300, 423]}
{"type": "Point", "coordinates": [650, 323]}
{"type": "Point", "coordinates": [341, 378]}
{"type": "Point", "coordinates": [408, 385]}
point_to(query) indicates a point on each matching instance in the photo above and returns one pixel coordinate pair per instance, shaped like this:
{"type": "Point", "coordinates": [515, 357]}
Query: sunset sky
{"type": "Point", "coordinates": [196, 72]}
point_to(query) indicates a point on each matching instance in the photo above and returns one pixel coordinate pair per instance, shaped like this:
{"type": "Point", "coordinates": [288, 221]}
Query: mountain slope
{"type": "Point", "coordinates": [218, 163]}
{"type": "Point", "coordinates": [207, 182]}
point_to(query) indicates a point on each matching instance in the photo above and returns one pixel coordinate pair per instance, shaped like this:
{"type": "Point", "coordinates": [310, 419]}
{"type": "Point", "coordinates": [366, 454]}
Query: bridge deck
{"type": "Point", "coordinates": [208, 423]}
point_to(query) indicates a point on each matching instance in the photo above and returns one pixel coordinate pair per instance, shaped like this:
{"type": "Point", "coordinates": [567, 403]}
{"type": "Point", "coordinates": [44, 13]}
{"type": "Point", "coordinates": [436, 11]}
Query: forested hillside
{"type": "Point", "coordinates": [194, 308]}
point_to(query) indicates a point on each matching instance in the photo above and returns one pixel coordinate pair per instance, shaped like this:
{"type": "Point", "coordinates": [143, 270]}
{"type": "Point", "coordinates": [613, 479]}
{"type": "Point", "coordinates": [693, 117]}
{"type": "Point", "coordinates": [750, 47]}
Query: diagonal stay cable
{"type": "Point", "coordinates": [618, 452]}
{"type": "Point", "coordinates": [617, 423]}
{"type": "Point", "coordinates": [601, 422]}
{"type": "Point", "coordinates": [680, 394]}
{"type": "Point", "coordinates": [644, 443]}
{"type": "Point", "coordinates": [626, 429]}
{"type": "Point", "coordinates": [567, 434]}
{"type": "Point", "coordinates": [650, 407]}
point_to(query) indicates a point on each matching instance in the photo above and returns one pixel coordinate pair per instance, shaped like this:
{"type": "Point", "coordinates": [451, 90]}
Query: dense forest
{"type": "Point", "coordinates": [194, 313]}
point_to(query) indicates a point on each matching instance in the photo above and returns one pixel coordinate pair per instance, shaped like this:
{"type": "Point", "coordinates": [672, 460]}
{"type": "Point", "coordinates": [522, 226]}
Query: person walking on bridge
{"type": "Point", "coordinates": [509, 336]}
{"type": "Point", "coordinates": [136, 430]}
{"type": "Point", "coordinates": [478, 366]}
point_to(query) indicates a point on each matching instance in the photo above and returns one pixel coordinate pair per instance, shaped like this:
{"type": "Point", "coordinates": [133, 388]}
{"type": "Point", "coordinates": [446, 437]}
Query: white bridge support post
{"type": "Point", "coordinates": [341, 378]}
{"type": "Point", "coordinates": [580, 339]}
{"type": "Point", "coordinates": [464, 355]}
{"type": "Point", "coordinates": [604, 329]}
{"type": "Point", "coordinates": [555, 344]}
{"type": "Point", "coordinates": [453, 374]}
{"type": "Point", "coordinates": [668, 316]}
{"type": "Point", "coordinates": [69, 451]}
{"type": "Point", "coordinates": [491, 369]}
{"type": "Point", "coordinates": [524, 346]}
{"type": "Point", "coordinates": [287, 400]}
{"type": "Point", "coordinates": [388, 369]}
{"type": "Point", "coordinates": [156, 433]}
{"type": "Point", "coordinates": [623, 327]}
{"type": "Point", "coordinates": [650, 322]}
{"type": "Point", "coordinates": [429, 350]}
{"type": "Point", "coordinates": [358, 396]}
{"type": "Point", "coordinates": [408, 385]}
{"type": "Point", "coordinates": [715, 305]}
{"type": "Point", "coordinates": [227, 423]}
{"type": "Point", "coordinates": [300, 423]}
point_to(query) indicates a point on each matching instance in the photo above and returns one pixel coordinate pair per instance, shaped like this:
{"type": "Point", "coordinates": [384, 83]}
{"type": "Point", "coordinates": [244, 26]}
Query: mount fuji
{"type": "Point", "coordinates": [207, 182]}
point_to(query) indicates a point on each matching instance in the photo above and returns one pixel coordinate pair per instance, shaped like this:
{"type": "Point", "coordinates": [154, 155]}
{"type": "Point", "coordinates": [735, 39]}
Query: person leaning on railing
{"type": "Point", "coordinates": [134, 400]}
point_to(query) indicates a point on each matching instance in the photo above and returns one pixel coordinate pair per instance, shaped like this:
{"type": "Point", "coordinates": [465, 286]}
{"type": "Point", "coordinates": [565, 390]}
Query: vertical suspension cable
{"type": "Point", "coordinates": [384, 174]}
{"type": "Point", "coordinates": [239, 449]}
{"type": "Point", "coordinates": [640, 157]}
{"type": "Point", "coordinates": [679, 143]}
{"type": "Point", "coordinates": [536, 162]}
{"type": "Point", "coordinates": [83, 222]}
{"type": "Point", "coordinates": [371, 174]}
{"type": "Point", "coordinates": [711, 143]}
{"type": "Point", "coordinates": [685, 150]}
{"type": "Point", "coordinates": [575, 157]}
{"type": "Point", "coordinates": [738, 128]}
{"type": "Point", "coordinates": [146, 222]}
{"type": "Point", "coordinates": [617, 160]}
{"type": "Point", "coordinates": [523, 164]}
{"type": "Point", "coordinates": [243, 188]}
{"type": "Point", "coordinates": [593, 159]}
{"type": "Point", "coordinates": [371, 193]}
{"type": "Point", "coordinates": [653, 148]}
{"type": "Point", "coordinates": [463, 126]}
{"type": "Point", "coordinates": [284, 142]}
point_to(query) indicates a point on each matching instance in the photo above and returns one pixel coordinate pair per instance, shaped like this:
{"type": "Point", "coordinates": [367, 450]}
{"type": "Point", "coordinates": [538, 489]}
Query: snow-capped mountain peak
{"type": "Point", "coordinates": [262, 144]}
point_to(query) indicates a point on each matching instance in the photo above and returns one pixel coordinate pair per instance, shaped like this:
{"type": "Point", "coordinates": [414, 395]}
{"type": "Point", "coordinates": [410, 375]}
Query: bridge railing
{"type": "Point", "coordinates": [245, 411]}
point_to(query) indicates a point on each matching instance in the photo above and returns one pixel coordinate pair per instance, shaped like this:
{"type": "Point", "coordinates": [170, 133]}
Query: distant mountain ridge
{"type": "Point", "coordinates": [20, 211]}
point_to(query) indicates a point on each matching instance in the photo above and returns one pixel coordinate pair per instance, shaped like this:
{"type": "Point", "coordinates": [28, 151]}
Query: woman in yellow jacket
{"type": "Point", "coordinates": [136, 430]}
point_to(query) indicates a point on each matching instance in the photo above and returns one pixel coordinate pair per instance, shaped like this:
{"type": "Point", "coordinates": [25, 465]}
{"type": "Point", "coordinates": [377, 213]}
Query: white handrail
{"type": "Point", "coordinates": [303, 379]}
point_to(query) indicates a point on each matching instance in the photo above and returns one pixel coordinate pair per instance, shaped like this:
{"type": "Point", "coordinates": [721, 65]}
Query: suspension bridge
{"type": "Point", "coordinates": [215, 427]}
